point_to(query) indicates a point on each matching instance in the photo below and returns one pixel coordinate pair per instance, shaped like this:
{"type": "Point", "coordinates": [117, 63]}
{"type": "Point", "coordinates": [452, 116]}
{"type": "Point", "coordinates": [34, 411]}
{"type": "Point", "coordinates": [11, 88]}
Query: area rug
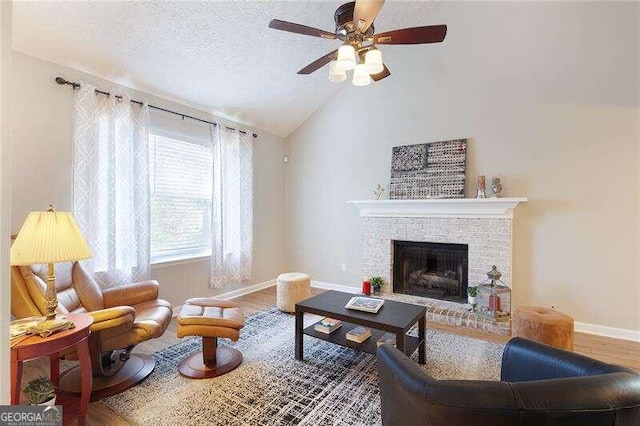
{"type": "Point", "coordinates": [332, 386]}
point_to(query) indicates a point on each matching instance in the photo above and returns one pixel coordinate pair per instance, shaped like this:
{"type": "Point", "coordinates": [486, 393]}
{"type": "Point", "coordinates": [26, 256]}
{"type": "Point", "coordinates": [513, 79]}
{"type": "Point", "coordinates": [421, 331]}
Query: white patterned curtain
{"type": "Point", "coordinates": [232, 209]}
{"type": "Point", "coordinates": [111, 184]}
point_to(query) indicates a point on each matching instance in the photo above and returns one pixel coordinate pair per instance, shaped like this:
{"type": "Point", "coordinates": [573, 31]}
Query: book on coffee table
{"type": "Point", "coordinates": [358, 334]}
{"type": "Point", "coordinates": [366, 304]}
{"type": "Point", "coordinates": [388, 338]}
{"type": "Point", "coordinates": [327, 325]}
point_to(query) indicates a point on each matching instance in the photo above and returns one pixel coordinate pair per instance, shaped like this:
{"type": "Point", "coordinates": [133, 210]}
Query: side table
{"type": "Point", "coordinates": [36, 346]}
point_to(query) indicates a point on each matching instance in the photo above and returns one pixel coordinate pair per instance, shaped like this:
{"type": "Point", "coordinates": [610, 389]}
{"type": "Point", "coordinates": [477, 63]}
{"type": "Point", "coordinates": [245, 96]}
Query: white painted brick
{"type": "Point", "coordinates": [489, 241]}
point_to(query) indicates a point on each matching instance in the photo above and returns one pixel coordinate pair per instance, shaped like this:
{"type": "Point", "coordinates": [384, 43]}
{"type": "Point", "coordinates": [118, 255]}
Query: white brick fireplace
{"type": "Point", "coordinates": [485, 225]}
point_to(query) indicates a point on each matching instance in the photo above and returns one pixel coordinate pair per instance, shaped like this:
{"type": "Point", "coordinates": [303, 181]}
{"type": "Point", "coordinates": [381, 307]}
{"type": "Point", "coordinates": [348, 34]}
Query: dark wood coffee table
{"type": "Point", "coordinates": [393, 317]}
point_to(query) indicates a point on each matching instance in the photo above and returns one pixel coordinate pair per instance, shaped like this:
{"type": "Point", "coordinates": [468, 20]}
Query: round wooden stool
{"type": "Point", "coordinates": [543, 325]}
{"type": "Point", "coordinates": [210, 318]}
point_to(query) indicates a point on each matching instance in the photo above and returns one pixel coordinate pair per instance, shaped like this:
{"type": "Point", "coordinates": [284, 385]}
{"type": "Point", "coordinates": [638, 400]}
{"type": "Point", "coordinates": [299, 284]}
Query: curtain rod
{"type": "Point", "coordinates": [63, 81]}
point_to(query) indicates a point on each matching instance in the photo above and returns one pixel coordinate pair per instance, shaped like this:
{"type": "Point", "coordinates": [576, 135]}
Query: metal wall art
{"type": "Point", "coordinates": [428, 170]}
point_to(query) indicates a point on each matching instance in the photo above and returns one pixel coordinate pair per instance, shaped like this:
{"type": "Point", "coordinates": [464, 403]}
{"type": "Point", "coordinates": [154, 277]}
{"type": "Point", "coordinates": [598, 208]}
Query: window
{"type": "Point", "coordinates": [181, 174]}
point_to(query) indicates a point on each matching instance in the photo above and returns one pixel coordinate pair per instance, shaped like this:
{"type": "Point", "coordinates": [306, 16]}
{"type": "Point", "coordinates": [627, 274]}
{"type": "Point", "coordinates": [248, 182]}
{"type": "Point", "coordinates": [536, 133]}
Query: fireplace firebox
{"type": "Point", "coordinates": [434, 270]}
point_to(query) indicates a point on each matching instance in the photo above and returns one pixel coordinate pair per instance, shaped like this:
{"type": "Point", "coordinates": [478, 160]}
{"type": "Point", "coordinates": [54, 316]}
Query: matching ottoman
{"type": "Point", "coordinates": [292, 288]}
{"type": "Point", "coordinates": [543, 325]}
{"type": "Point", "coordinates": [210, 318]}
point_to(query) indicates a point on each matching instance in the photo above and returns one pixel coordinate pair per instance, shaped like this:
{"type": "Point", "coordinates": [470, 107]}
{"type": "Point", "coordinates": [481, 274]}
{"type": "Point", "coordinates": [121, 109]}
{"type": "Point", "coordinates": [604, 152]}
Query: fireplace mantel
{"type": "Point", "coordinates": [450, 207]}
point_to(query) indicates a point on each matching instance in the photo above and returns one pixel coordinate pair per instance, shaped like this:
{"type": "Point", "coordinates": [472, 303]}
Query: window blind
{"type": "Point", "coordinates": [181, 174]}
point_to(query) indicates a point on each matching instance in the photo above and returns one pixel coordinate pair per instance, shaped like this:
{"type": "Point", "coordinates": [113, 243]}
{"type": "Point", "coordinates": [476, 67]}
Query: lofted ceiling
{"type": "Point", "coordinates": [216, 56]}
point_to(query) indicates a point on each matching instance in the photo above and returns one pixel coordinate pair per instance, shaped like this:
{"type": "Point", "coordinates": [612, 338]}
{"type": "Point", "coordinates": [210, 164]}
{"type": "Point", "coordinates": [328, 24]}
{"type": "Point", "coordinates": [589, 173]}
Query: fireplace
{"type": "Point", "coordinates": [434, 270]}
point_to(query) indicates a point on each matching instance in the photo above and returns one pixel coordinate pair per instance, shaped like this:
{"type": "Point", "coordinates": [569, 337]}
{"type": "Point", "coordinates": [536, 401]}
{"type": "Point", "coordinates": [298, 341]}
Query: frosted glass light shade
{"type": "Point", "coordinates": [48, 237]}
{"type": "Point", "coordinates": [361, 75]}
{"type": "Point", "coordinates": [373, 61]}
{"type": "Point", "coordinates": [336, 75]}
{"type": "Point", "coordinates": [346, 57]}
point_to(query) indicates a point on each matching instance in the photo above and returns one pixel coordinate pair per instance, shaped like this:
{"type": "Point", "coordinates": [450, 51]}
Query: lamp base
{"type": "Point", "coordinates": [50, 296]}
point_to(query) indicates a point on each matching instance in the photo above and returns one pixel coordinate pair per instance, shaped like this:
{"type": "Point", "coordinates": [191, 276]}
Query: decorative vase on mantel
{"type": "Point", "coordinates": [496, 187]}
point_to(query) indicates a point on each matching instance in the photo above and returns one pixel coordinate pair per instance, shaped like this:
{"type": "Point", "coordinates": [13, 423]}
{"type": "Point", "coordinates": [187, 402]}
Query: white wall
{"type": "Point", "coordinates": [548, 95]}
{"type": "Point", "coordinates": [5, 197]}
{"type": "Point", "coordinates": [42, 171]}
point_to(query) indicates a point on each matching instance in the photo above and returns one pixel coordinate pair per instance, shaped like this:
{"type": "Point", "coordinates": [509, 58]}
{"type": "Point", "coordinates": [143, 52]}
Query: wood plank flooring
{"type": "Point", "coordinates": [603, 348]}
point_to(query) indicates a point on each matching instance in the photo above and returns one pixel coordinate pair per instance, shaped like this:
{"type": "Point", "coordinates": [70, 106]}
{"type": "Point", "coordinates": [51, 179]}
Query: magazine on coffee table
{"type": "Point", "coordinates": [366, 304]}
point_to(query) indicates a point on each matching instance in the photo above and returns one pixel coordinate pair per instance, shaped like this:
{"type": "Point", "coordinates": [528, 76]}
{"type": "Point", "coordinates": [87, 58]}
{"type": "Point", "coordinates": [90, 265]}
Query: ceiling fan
{"type": "Point", "coordinates": [354, 27]}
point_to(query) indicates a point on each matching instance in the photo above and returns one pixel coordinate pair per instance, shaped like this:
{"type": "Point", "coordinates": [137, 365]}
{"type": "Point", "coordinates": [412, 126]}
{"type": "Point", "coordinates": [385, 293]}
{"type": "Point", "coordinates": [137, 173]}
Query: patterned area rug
{"type": "Point", "coordinates": [332, 386]}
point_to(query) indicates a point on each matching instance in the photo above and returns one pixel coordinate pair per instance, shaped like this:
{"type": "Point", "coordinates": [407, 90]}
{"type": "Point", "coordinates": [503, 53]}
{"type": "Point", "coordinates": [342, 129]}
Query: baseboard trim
{"type": "Point", "coordinates": [336, 287]}
{"type": "Point", "coordinates": [235, 293]}
{"type": "Point", "coordinates": [245, 290]}
{"type": "Point", "coordinates": [602, 330]}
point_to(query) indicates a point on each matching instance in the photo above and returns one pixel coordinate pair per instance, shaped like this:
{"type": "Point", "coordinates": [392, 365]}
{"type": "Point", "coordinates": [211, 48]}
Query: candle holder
{"type": "Point", "coordinates": [481, 190]}
{"type": "Point", "coordinates": [366, 286]}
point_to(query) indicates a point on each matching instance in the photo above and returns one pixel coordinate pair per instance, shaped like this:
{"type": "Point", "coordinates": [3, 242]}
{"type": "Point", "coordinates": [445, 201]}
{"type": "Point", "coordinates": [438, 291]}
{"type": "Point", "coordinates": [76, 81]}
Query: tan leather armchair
{"type": "Point", "coordinates": [123, 317]}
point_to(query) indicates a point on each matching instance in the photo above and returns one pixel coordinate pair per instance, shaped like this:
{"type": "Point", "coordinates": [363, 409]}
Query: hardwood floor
{"type": "Point", "coordinates": [603, 348]}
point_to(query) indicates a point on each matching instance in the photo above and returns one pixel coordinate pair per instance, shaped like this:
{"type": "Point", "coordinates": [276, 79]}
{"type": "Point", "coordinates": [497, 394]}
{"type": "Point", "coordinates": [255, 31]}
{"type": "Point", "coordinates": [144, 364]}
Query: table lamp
{"type": "Point", "coordinates": [49, 237]}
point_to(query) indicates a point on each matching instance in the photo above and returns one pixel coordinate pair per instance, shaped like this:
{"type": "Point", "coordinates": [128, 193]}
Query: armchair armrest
{"type": "Point", "coordinates": [112, 317]}
{"type": "Point", "coordinates": [410, 396]}
{"type": "Point", "coordinates": [525, 360]}
{"type": "Point", "coordinates": [131, 294]}
{"type": "Point", "coordinates": [403, 387]}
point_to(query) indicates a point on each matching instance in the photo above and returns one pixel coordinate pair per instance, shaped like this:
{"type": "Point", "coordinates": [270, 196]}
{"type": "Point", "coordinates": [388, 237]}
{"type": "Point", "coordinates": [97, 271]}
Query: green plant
{"type": "Point", "coordinates": [376, 282]}
{"type": "Point", "coordinates": [472, 291]}
{"type": "Point", "coordinates": [40, 390]}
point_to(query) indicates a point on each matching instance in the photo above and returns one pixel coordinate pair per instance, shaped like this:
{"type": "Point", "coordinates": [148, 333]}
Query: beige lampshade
{"type": "Point", "coordinates": [49, 237]}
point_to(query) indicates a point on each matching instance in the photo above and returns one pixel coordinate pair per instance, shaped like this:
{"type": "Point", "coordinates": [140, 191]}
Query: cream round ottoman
{"type": "Point", "coordinates": [543, 325]}
{"type": "Point", "coordinates": [292, 288]}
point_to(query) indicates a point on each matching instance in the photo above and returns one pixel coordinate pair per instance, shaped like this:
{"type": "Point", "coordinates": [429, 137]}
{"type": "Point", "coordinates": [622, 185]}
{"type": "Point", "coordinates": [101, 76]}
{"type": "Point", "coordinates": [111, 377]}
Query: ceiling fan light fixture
{"type": "Point", "coordinates": [354, 28]}
{"type": "Point", "coordinates": [336, 75]}
{"type": "Point", "coordinates": [346, 57]}
{"type": "Point", "coordinates": [373, 61]}
{"type": "Point", "coordinates": [361, 75]}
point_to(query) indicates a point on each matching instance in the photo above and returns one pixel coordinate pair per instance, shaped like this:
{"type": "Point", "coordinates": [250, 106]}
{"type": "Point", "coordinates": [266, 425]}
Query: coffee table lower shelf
{"type": "Point", "coordinates": [370, 345]}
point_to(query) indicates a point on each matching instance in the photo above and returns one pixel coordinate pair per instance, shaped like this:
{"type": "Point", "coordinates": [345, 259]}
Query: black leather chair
{"type": "Point", "coordinates": [540, 385]}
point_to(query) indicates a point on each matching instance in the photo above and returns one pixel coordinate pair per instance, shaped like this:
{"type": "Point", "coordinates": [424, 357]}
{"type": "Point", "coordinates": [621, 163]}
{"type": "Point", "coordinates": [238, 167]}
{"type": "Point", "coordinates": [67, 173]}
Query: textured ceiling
{"type": "Point", "coordinates": [215, 56]}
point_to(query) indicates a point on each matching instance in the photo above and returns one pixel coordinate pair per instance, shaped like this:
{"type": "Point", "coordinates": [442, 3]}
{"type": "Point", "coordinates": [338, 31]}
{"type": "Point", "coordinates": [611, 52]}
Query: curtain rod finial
{"type": "Point", "coordinates": [63, 81]}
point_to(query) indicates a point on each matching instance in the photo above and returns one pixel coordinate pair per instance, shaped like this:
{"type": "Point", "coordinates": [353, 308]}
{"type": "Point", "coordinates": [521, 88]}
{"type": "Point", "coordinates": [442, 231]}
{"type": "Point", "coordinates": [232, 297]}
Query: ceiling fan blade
{"type": "Point", "coordinates": [300, 29]}
{"type": "Point", "coordinates": [416, 35]}
{"type": "Point", "coordinates": [382, 74]}
{"type": "Point", "coordinates": [319, 63]}
{"type": "Point", "coordinates": [365, 13]}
